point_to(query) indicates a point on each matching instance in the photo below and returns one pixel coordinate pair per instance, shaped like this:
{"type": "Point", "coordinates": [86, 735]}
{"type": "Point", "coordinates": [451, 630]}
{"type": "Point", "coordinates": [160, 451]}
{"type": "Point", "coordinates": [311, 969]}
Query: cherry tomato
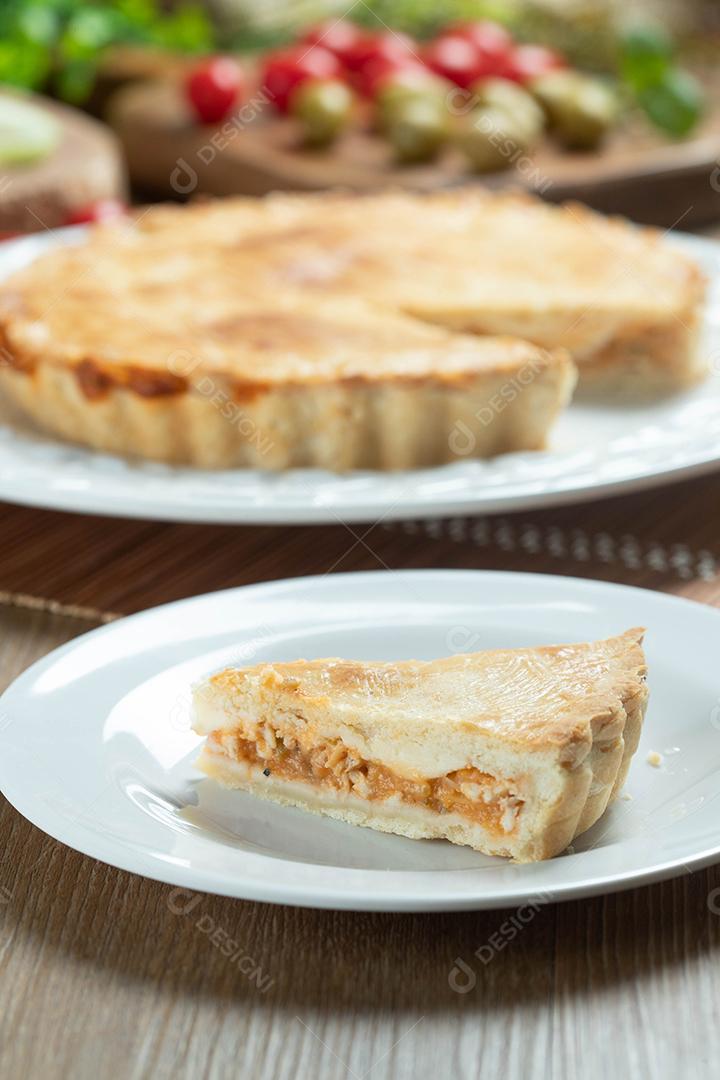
{"type": "Point", "coordinates": [377, 72]}
{"type": "Point", "coordinates": [411, 76]}
{"type": "Point", "coordinates": [455, 58]}
{"type": "Point", "coordinates": [492, 42]}
{"type": "Point", "coordinates": [338, 36]}
{"type": "Point", "coordinates": [100, 210]}
{"type": "Point", "coordinates": [214, 88]}
{"type": "Point", "coordinates": [287, 68]}
{"type": "Point", "coordinates": [487, 36]}
{"type": "Point", "coordinates": [387, 45]}
{"type": "Point", "coordinates": [528, 62]}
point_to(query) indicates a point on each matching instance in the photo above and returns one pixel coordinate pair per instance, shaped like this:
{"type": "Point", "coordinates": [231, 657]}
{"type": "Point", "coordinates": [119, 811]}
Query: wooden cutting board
{"type": "Point", "coordinates": [637, 173]}
{"type": "Point", "coordinates": [86, 165]}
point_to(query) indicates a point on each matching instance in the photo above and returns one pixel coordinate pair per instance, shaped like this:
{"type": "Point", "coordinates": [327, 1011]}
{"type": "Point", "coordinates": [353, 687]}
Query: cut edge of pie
{"type": "Point", "coordinates": [511, 752]}
{"type": "Point", "coordinates": [439, 397]}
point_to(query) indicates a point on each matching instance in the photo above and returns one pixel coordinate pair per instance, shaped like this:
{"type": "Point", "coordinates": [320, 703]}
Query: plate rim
{"type": "Point", "coordinates": [61, 501]}
{"type": "Point", "coordinates": [338, 896]}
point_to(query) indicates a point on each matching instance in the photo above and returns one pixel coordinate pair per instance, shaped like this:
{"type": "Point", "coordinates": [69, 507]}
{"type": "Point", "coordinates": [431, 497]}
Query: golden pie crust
{"type": "Point", "coordinates": [514, 752]}
{"type": "Point", "coordinates": [385, 331]}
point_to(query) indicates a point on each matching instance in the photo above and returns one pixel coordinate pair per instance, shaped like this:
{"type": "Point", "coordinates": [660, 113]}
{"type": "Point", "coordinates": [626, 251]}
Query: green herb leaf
{"type": "Point", "coordinates": [646, 54]}
{"type": "Point", "coordinates": [63, 40]}
{"type": "Point", "coordinates": [674, 103]}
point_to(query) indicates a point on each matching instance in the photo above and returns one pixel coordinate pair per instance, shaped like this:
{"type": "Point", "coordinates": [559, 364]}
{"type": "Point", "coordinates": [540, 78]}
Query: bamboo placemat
{"type": "Point", "coordinates": [666, 539]}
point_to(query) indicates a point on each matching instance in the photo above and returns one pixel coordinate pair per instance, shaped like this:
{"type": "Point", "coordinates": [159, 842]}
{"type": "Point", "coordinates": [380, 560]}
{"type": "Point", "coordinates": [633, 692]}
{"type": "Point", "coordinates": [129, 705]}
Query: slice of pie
{"type": "Point", "coordinates": [513, 752]}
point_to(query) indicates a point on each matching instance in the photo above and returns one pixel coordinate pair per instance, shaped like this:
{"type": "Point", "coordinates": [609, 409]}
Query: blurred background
{"type": "Point", "coordinates": [103, 105]}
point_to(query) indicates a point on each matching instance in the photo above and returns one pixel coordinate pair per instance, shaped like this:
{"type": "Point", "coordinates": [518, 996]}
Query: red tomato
{"type": "Point", "coordinates": [338, 36]}
{"type": "Point", "coordinates": [385, 46]}
{"type": "Point", "coordinates": [527, 62]}
{"type": "Point", "coordinates": [411, 74]}
{"type": "Point", "coordinates": [100, 210]}
{"type": "Point", "coordinates": [455, 58]}
{"type": "Point", "coordinates": [376, 73]}
{"type": "Point", "coordinates": [287, 68]}
{"type": "Point", "coordinates": [214, 88]}
{"type": "Point", "coordinates": [492, 42]}
{"type": "Point", "coordinates": [485, 35]}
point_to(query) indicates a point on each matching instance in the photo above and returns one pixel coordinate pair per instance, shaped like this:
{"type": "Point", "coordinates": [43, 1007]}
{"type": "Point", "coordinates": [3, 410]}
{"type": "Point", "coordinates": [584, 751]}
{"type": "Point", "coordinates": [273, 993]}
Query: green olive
{"type": "Point", "coordinates": [395, 95]}
{"type": "Point", "coordinates": [324, 108]}
{"type": "Point", "coordinates": [520, 106]}
{"type": "Point", "coordinates": [417, 129]}
{"type": "Point", "coordinates": [580, 108]}
{"type": "Point", "coordinates": [492, 139]}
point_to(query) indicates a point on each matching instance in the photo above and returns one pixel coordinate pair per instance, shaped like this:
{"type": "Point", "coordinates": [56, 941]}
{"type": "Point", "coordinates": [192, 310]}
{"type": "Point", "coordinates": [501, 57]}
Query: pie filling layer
{"type": "Point", "coordinates": [478, 797]}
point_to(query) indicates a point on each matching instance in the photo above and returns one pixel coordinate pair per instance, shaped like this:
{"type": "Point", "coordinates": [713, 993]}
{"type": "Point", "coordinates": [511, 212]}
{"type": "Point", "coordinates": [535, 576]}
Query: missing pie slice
{"type": "Point", "coordinates": [512, 752]}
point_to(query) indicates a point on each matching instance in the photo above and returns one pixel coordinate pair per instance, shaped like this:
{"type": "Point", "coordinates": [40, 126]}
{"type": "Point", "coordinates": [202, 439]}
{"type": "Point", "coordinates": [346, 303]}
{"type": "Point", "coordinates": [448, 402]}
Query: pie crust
{"type": "Point", "coordinates": [343, 332]}
{"type": "Point", "coordinates": [513, 752]}
{"type": "Point", "coordinates": [274, 387]}
{"type": "Point", "coordinates": [617, 296]}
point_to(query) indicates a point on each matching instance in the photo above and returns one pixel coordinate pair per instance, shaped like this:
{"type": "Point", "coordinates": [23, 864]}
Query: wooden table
{"type": "Point", "coordinates": [108, 974]}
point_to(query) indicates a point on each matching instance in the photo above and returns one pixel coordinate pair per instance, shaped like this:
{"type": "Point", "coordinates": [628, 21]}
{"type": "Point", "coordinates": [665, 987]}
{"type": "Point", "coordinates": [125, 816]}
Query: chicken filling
{"type": "Point", "coordinates": [475, 795]}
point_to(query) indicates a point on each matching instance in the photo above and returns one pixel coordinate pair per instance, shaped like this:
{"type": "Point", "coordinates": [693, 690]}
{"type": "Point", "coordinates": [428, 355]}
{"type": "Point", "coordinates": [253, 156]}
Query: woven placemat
{"type": "Point", "coordinates": [664, 539]}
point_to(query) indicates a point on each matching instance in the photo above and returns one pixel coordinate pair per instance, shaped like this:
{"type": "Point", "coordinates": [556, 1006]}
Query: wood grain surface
{"type": "Point", "coordinates": [108, 974]}
{"type": "Point", "coordinates": [105, 974]}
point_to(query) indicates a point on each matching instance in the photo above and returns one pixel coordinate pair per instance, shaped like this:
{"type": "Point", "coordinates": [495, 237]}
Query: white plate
{"type": "Point", "coordinates": [596, 450]}
{"type": "Point", "coordinates": [96, 748]}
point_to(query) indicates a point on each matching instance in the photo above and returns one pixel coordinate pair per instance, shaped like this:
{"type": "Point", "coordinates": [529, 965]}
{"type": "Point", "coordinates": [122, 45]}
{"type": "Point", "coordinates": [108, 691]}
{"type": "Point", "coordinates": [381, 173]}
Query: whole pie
{"type": "Point", "coordinates": [513, 752]}
{"type": "Point", "coordinates": [385, 331]}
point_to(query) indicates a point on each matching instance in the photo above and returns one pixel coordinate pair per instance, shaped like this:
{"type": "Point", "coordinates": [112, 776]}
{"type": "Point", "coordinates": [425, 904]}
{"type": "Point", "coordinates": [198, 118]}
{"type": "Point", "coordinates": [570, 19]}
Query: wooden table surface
{"type": "Point", "coordinates": [107, 974]}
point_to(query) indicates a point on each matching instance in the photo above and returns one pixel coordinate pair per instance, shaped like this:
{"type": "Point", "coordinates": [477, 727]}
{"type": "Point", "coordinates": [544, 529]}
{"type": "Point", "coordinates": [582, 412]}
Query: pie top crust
{"type": "Point", "coordinates": [309, 288]}
{"type": "Point", "coordinates": [176, 329]}
{"type": "Point", "coordinates": [558, 699]}
{"type": "Point", "coordinates": [439, 254]}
